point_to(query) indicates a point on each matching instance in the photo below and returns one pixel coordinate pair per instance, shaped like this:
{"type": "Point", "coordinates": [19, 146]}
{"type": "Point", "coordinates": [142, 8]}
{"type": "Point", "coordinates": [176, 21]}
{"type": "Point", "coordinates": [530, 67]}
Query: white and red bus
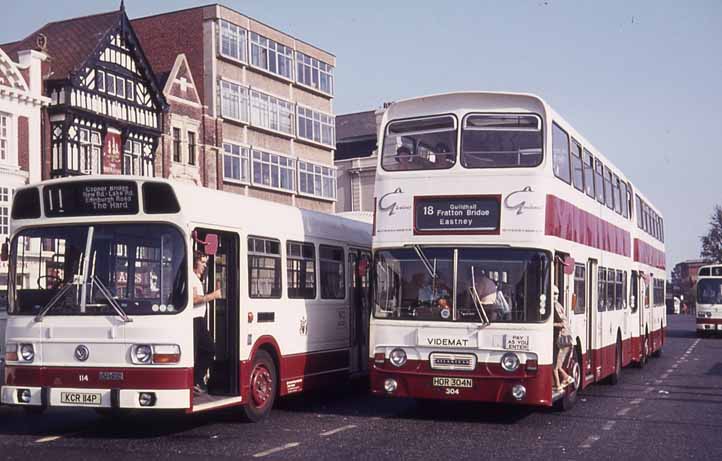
{"type": "Point", "coordinates": [100, 313]}
{"type": "Point", "coordinates": [709, 299]}
{"type": "Point", "coordinates": [484, 201]}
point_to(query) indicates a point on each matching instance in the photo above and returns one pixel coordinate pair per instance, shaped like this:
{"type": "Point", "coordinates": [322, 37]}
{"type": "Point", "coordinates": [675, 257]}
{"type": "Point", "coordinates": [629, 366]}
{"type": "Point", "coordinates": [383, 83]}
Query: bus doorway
{"type": "Point", "coordinates": [591, 314]}
{"type": "Point", "coordinates": [359, 269]}
{"type": "Point", "coordinates": [222, 318]}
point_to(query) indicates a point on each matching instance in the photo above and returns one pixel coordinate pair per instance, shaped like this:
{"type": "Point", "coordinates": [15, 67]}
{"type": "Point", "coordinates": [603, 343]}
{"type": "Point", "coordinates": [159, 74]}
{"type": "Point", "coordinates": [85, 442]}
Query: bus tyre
{"type": "Point", "coordinates": [658, 353]}
{"type": "Point", "coordinates": [644, 354]}
{"type": "Point", "coordinates": [263, 381]}
{"type": "Point", "coordinates": [616, 375]}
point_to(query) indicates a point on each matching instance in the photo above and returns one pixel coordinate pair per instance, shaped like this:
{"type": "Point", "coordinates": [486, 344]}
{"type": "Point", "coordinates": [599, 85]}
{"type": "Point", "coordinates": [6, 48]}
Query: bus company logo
{"type": "Point", "coordinates": [518, 200]}
{"type": "Point", "coordinates": [82, 353]}
{"type": "Point", "coordinates": [453, 362]}
{"type": "Point", "coordinates": [387, 205]}
{"type": "Point", "coordinates": [110, 376]}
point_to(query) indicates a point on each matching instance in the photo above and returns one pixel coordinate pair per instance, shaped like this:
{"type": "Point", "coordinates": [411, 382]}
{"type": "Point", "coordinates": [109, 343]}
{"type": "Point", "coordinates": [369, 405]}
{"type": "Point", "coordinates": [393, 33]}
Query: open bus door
{"type": "Point", "coordinates": [223, 313]}
{"type": "Point", "coordinates": [359, 269]}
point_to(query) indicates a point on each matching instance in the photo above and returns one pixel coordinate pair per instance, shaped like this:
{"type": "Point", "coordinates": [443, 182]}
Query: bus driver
{"type": "Point", "coordinates": [204, 350]}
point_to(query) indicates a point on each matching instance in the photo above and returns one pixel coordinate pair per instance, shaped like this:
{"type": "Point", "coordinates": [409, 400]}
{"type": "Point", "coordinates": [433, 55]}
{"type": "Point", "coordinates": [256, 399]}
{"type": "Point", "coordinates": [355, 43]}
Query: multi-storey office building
{"type": "Point", "coordinates": [266, 125]}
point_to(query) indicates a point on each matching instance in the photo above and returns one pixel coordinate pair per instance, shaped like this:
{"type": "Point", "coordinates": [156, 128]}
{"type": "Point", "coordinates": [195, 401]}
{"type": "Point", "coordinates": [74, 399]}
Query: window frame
{"type": "Point", "coordinates": [273, 110]}
{"type": "Point", "coordinates": [599, 181]}
{"type": "Point", "coordinates": [293, 173]}
{"type": "Point", "coordinates": [191, 147]}
{"type": "Point", "coordinates": [299, 72]}
{"type": "Point", "coordinates": [611, 289]}
{"type": "Point", "coordinates": [177, 144]}
{"type": "Point", "coordinates": [271, 47]}
{"type": "Point", "coordinates": [6, 126]}
{"type": "Point", "coordinates": [601, 289]}
{"type": "Point", "coordinates": [341, 262]}
{"type": "Point", "coordinates": [242, 97]}
{"type": "Point", "coordinates": [241, 39]}
{"type": "Point", "coordinates": [568, 178]}
{"type": "Point", "coordinates": [576, 157]}
{"type": "Point", "coordinates": [278, 270]}
{"type": "Point", "coordinates": [313, 175]}
{"type": "Point", "coordinates": [617, 194]}
{"type": "Point", "coordinates": [588, 168]}
{"type": "Point", "coordinates": [321, 124]}
{"type": "Point", "coordinates": [290, 258]}
{"type": "Point", "coordinates": [247, 170]}
{"type": "Point", "coordinates": [580, 279]}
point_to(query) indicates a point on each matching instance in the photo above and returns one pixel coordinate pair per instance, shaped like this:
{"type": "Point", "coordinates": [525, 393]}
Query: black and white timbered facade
{"type": "Point", "coordinates": [106, 111]}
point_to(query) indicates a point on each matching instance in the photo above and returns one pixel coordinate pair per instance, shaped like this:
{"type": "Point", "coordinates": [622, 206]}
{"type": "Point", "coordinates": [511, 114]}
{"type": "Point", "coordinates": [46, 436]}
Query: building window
{"type": "Point", "coordinates": [272, 113]}
{"type": "Point", "coordinates": [131, 157]}
{"type": "Point", "coordinates": [301, 262]}
{"type": "Point", "coordinates": [4, 136]}
{"type": "Point", "coordinates": [235, 162]}
{"type": "Point", "coordinates": [191, 148]}
{"type": "Point", "coordinates": [110, 84]}
{"type": "Point", "coordinates": [273, 170]}
{"type": "Point", "coordinates": [90, 149]}
{"type": "Point", "coordinates": [176, 145]}
{"type": "Point", "coordinates": [100, 81]}
{"type": "Point", "coordinates": [120, 87]}
{"type": "Point", "coordinates": [129, 87]}
{"type": "Point", "coordinates": [560, 154]}
{"type": "Point", "coordinates": [264, 268]}
{"type": "Point", "coordinates": [5, 196]}
{"type": "Point", "coordinates": [314, 73]}
{"type": "Point", "coordinates": [233, 41]}
{"type": "Point", "coordinates": [271, 56]}
{"type": "Point", "coordinates": [316, 126]}
{"type": "Point", "coordinates": [234, 101]}
{"type": "Point", "coordinates": [332, 282]}
{"type": "Point", "coordinates": [316, 180]}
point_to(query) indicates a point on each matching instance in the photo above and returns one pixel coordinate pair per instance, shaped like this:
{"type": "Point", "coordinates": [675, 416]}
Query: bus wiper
{"type": "Point", "coordinates": [431, 269]}
{"type": "Point", "coordinates": [109, 296]}
{"type": "Point", "coordinates": [477, 301]}
{"type": "Point", "coordinates": [53, 301]}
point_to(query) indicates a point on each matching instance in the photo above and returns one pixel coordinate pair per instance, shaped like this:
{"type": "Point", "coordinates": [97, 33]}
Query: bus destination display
{"type": "Point", "coordinates": [91, 199]}
{"type": "Point", "coordinates": [462, 214]}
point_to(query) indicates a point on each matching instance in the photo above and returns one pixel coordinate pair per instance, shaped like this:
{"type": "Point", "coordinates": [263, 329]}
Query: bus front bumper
{"type": "Point", "coordinates": [166, 399]}
{"type": "Point", "coordinates": [709, 324]}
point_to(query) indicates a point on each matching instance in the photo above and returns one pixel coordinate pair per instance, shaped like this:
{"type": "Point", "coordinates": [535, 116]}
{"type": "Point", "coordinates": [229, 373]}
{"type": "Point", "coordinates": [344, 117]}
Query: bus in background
{"type": "Point", "coordinates": [484, 203]}
{"type": "Point", "coordinates": [101, 313]}
{"type": "Point", "coordinates": [709, 300]}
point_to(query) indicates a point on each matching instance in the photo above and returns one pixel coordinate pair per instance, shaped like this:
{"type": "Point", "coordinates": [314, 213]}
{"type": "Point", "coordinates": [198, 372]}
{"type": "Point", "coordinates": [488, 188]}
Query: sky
{"type": "Point", "coordinates": [640, 80]}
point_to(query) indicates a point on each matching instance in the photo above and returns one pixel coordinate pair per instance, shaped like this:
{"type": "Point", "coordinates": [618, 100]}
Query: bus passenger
{"type": "Point", "coordinates": [204, 349]}
{"type": "Point", "coordinates": [564, 342]}
{"type": "Point", "coordinates": [405, 158]}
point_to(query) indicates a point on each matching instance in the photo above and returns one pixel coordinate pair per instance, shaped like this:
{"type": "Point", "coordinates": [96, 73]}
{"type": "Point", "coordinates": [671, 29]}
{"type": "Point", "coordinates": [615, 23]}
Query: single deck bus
{"type": "Point", "coordinates": [709, 300]}
{"type": "Point", "coordinates": [100, 313]}
{"type": "Point", "coordinates": [484, 201]}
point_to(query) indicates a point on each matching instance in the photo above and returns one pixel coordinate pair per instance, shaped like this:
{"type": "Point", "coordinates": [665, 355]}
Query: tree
{"type": "Point", "coordinates": [712, 242]}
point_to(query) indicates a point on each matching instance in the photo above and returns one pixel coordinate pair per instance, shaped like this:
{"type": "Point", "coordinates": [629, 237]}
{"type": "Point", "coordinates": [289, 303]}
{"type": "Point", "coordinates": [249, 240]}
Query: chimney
{"type": "Point", "coordinates": [31, 61]}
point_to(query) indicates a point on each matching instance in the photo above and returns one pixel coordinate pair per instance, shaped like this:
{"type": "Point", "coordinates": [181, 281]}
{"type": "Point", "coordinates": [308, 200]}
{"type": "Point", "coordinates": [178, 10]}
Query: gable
{"type": "Point", "coordinates": [10, 75]}
{"type": "Point", "coordinates": [180, 84]}
{"type": "Point", "coordinates": [118, 67]}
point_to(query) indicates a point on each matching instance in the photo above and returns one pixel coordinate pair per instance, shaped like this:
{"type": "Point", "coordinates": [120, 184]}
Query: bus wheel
{"type": "Point", "coordinates": [645, 352]}
{"type": "Point", "coordinates": [263, 387]}
{"type": "Point", "coordinates": [614, 377]}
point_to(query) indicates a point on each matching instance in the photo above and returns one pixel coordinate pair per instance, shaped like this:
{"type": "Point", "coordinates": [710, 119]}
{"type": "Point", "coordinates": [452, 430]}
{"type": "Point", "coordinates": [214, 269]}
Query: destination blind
{"type": "Point", "coordinates": [462, 214]}
{"type": "Point", "coordinates": [91, 198]}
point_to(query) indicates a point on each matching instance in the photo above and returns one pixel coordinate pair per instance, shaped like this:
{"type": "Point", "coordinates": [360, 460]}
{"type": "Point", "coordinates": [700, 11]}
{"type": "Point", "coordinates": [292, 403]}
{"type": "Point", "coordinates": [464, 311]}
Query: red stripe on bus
{"type": "Point", "coordinates": [568, 222]}
{"type": "Point", "coordinates": [701, 321]}
{"type": "Point", "coordinates": [99, 378]}
{"type": "Point", "coordinates": [647, 254]}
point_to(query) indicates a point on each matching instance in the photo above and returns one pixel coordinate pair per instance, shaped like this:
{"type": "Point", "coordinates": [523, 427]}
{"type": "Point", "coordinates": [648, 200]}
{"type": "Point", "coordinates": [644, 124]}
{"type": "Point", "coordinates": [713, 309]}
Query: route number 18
{"type": "Point", "coordinates": [429, 210]}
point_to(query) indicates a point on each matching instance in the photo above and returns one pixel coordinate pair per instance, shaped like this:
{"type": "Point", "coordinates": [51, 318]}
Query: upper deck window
{"type": "Point", "coordinates": [420, 144]}
{"type": "Point", "coordinates": [560, 153]}
{"type": "Point", "coordinates": [588, 173]}
{"type": "Point", "coordinates": [577, 173]}
{"type": "Point", "coordinates": [502, 141]}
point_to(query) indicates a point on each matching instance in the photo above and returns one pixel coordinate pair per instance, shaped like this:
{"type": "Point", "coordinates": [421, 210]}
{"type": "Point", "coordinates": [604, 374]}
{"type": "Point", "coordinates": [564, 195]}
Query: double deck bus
{"type": "Point", "coordinates": [709, 299]}
{"type": "Point", "coordinates": [100, 313]}
{"type": "Point", "coordinates": [484, 202]}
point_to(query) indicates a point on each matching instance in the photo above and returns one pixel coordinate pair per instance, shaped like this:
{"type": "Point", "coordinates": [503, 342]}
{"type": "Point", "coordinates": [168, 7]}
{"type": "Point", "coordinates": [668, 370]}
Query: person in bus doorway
{"type": "Point", "coordinates": [204, 350]}
{"type": "Point", "coordinates": [563, 335]}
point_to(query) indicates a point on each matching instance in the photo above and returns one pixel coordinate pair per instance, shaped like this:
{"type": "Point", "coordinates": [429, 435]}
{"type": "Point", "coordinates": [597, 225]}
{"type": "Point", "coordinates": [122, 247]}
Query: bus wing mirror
{"type": "Point", "coordinates": [210, 246]}
{"type": "Point", "coordinates": [5, 253]}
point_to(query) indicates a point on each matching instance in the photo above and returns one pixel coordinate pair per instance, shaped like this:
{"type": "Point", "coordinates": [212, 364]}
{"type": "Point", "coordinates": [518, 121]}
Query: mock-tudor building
{"type": "Point", "coordinates": [106, 110]}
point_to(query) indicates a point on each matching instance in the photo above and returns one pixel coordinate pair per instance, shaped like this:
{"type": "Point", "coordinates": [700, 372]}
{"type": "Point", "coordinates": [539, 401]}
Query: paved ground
{"type": "Point", "coordinates": [672, 409]}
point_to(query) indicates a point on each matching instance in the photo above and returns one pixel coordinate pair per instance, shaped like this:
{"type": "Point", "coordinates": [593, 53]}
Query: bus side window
{"type": "Point", "coordinates": [633, 291]}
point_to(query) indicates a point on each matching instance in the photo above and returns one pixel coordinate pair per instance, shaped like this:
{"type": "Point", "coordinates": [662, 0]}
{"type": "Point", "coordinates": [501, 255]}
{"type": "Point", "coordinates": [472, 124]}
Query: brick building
{"type": "Point", "coordinates": [256, 104]}
{"type": "Point", "coordinates": [106, 106]}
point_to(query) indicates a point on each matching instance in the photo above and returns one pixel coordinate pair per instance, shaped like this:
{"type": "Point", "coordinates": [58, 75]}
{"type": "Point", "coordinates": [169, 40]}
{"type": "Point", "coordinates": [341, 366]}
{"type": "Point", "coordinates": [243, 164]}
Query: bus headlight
{"type": "Point", "coordinates": [27, 352]}
{"type": "Point", "coordinates": [142, 354]}
{"type": "Point", "coordinates": [510, 362]}
{"type": "Point", "coordinates": [157, 354]}
{"type": "Point", "coordinates": [397, 357]}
